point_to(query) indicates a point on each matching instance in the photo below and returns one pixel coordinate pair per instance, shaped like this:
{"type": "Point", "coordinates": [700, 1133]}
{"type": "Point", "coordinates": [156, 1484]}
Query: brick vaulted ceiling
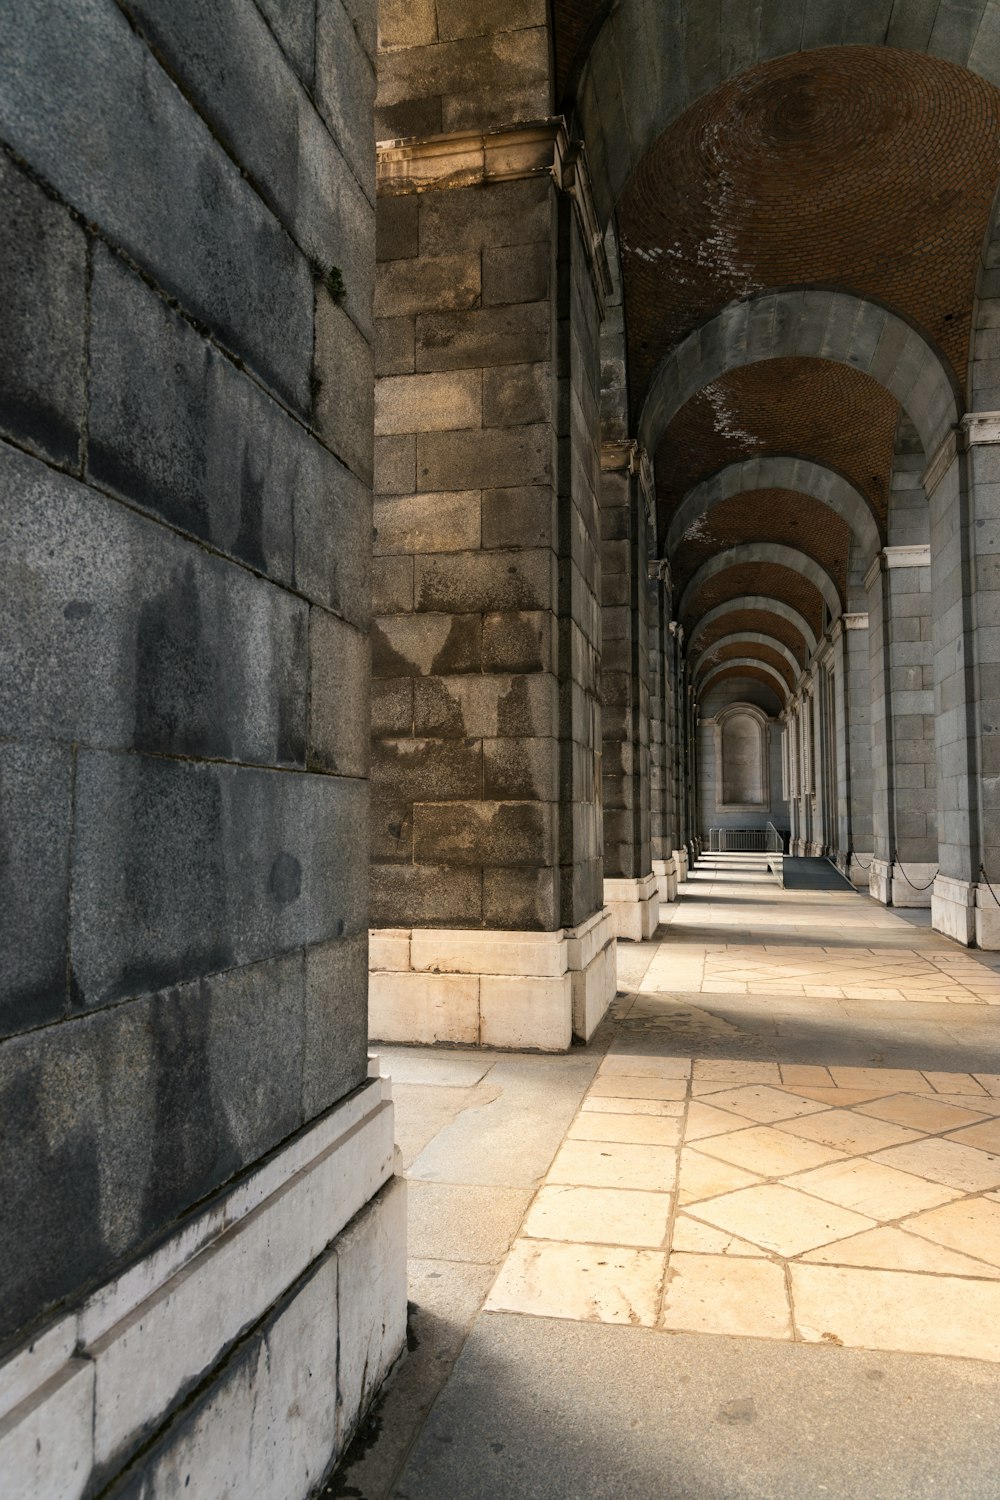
{"type": "Point", "coordinates": [750, 622]}
{"type": "Point", "coordinates": [868, 170]}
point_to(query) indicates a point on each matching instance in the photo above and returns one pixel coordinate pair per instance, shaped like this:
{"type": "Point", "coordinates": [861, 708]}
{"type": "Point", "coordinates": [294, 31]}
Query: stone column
{"type": "Point", "coordinates": [856, 837]}
{"type": "Point", "coordinates": [630, 888]}
{"type": "Point", "coordinates": [903, 749]}
{"type": "Point", "coordinates": [962, 482]}
{"type": "Point", "coordinates": [661, 739]}
{"type": "Point", "coordinates": [487, 846]}
{"type": "Point", "coordinates": [679, 756]}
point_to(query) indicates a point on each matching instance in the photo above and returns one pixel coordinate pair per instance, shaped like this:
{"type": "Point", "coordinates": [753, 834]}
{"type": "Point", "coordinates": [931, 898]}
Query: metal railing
{"type": "Point", "coordinates": [738, 841]}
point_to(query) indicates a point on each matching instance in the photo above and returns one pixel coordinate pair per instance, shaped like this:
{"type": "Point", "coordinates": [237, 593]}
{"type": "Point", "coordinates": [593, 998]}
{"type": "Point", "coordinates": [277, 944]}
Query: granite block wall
{"type": "Point", "coordinates": [187, 256]}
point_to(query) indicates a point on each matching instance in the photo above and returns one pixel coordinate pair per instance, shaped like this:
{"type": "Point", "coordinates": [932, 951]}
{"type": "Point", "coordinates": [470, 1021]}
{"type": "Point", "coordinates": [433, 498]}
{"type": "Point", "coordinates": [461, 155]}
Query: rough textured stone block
{"type": "Point", "coordinates": [395, 465]}
{"type": "Point", "coordinates": [35, 782]}
{"type": "Point", "coordinates": [345, 87]}
{"type": "Point", "coordinates": [448, 522]}
{"type": "Point", "coordinates": [345, 386]}
{"type": "Point", "coordinates": [519, 517]}
{"type": "Point", "coordinates": [127, 1117]}
{"type": "Point", "coordinates": [411, 769]}
{"type": "Point", "coordinates": [429, 403]}
{"type": "Point", "coordinates": [124, 634]}
{"type": "Point", "coordinates": [335, 1037]}
{"type": "Point", "coordinates": [520, 899]}
{"type": "Point", "coordinates": [521, 641]}
{"type": "Point", "coordinates": [483, 833]}
{"type": "Point", "coordinates": [424, 645]}
{"type": "Point", "coordinates": [339, 696]}
{"type": "Point", "coordinates": [495, 581]}
{"type": "Point", "coordinates": [516, 273]}
{"type": "Point", "coordinates": [427, 895]}
{"type": "Point", "coordinates": [483, 337]}
{"type": "Point", "coordinates": [490, 707]}
{"type": "Point", "coordinates": [446, 283]}
{"type": "Point", "coordinates": [395, 346]}
{"type": "Point", "coordinates": [181, 870]}
{"type": "Point", "coordinates": [43, 273]}
{"type": "Point", "coordinates": [294, 24]}
{"type": "Point", "coordinates": [487, 218]}
{"type": "Point", "coordinates": [476, 460]}
{"type": "Point", "coordinates": [167, 192]}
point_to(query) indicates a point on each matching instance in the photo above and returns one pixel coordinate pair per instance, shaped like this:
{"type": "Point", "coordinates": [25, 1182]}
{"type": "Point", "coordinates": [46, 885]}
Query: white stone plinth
{"type": "Point", "coordinates": [523, 990]}
{"type": "Point", "coordinates": [912, 883]}
{"type": "Point", "coordinates": [953, 909]}
{"type": "Point", "coordinates": [311, 1247]}
{"type": "Point", "coordinates": [665, 871]}
{"type": "Point", "coordinates": [635, 907]}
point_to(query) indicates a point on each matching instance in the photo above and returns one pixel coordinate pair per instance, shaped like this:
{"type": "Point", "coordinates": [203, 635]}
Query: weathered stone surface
{"type": "Point", "coordinates": [168, 193]}
{"type": "Point", "coordinates": [415, 770]}
{"type": "Point", "coordinates": [339, 697]}
{"type": "Point", "coordinates": [524, 767]}
{"type": "Point", "coordinates": [35, 782]}
{"type": "Point", "coordinates": [392, 584]}
{"type": "Point", "coordinates": [43, 272]}
{"type": "Point", "coordinates": [344, 385]}
{"type": "Point", "coordinates": [445, 283]}
{"type": "Point", "coordinates": [426, 895]}
{"type": "Point", "coordinates": [494, 581]}
{"type": "Point", "coordinates": [426, 645]}
{"type": "Point", "coordinates": [519, 641]}
{"type": "Point", "coordinates": [448, 522]}
{"type": "Point", "coordinates": [429, 403]}
{"type": "Point", "coordinates": [520, 898]}
{"type": "Point", "coordinates": [488, 707]}
{"type": "Point", "coordinates": [476, 460]}
{"type": "Point", "coordinates": [488, 336]}
{"type": "Point", "coordinates": [519, 517]}
{"type": "Point", "coordinates": [395, 465]}
{"type": "Point", "coordinates": [127, 1116]}
{"type": "Point", "coordinates": [170, 649]}
{"type": "Point", "coordinates": [181, 870]}
{"type": "Point", "coordinates": [483, 832]}
{"type": "Point", "coordinates": [335, 1031]}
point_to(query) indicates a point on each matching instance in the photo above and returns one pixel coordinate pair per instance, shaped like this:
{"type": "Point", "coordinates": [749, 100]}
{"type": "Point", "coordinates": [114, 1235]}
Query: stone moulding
{"type": "Point", "coordinates": [77, 1403]}
{"type": "Point", "coordinates": [464, 158]}
{"type": "Point", "coordinates": [493, 988]}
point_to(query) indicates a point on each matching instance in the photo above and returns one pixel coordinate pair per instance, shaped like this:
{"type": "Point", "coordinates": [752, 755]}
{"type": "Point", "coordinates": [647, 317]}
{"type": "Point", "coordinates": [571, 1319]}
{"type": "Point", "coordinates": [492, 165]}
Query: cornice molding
{"type": "Point", "coordinates": [465, 158]}
{"type": "Point", "coordinates": [916, 556]}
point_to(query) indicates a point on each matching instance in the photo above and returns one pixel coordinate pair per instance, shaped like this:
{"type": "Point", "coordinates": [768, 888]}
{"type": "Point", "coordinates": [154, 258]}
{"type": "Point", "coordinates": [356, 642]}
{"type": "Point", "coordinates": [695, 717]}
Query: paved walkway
{"type": "Point", "coordinates": [769, 1186]}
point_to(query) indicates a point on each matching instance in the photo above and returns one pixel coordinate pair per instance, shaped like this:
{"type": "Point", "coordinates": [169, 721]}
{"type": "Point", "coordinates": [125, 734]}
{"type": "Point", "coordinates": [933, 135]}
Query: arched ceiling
{"type": "Point", "coordinates": [735, 649]}
{"type": "Point", "coordinates": [749, 622]}
{"type": "Point", "coordinates": [757, 156]}
{"type": "Point", "coordinates": [867, 169]}
{"type": "Point", "coordinates": [771, 579]}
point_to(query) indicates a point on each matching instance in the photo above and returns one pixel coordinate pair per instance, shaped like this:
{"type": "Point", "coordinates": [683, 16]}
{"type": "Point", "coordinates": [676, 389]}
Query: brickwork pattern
{"type": "Point", "coordinates": [768, 408]}
{"type": "Point", "coordinates": [770, 579]}
{"type": "Point", "coordinates": [748, 648]}
{"type": "Point", "coordinates": [752, 621]}
{"type": "Point", "coordinates": [769, 182]}
{"type": "Point", "coordinates": [771, 515]}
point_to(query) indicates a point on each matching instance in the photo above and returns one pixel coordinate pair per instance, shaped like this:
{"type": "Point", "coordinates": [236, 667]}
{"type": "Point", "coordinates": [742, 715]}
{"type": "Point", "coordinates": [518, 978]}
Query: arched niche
{"type": "Point", "coordinates": [742, 760]}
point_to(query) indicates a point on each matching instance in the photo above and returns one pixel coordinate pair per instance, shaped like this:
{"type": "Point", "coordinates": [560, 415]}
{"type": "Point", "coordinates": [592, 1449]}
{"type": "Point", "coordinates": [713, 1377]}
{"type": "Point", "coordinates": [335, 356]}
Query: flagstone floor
{"type": "Point", "coordinates": [856, 1205]}
{"type": "Point", "coordinates": [769, 1186]}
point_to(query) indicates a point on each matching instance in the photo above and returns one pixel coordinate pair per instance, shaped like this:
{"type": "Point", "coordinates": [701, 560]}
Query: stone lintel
{"type": "Point", "coordinates": [492, 988]}
{"type": "Point", "coordinates": [463, 158]}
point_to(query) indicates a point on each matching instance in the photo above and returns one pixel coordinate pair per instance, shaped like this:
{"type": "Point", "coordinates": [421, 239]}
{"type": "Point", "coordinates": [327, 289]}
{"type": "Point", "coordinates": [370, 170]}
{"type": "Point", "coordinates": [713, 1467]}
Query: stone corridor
{"type": "Point", "coordinates": [786, 1133]}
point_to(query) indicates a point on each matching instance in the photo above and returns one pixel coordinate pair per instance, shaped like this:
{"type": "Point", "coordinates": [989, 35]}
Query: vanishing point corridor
{"type": "Point", "coordinates": [745, 1243]}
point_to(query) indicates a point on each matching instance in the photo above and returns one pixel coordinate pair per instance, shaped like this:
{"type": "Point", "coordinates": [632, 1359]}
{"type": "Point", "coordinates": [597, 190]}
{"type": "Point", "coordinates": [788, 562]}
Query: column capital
{"type": "Point", "coordinates": [915, 556]}
{"type": "Point", "coordinates": [856, 622]}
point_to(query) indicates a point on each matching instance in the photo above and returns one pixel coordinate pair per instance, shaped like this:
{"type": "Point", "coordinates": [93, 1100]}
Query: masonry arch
{"type": "Point", "coordinates": [750, 553]}
{"type": "Point", "coordinates": [716, 652]}
{"type": "Point", "coordinates": [765, 605]}
{"type": "Point", "coordinates": [784, 472]}
{"type": "Point", "coordinates": [753, 666]}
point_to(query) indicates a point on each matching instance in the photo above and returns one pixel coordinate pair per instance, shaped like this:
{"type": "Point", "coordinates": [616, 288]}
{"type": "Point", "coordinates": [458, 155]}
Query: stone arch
{"type": "Point", "coordinates": [673, 54]}
{"type": "Point", "coordinates": [779, 471]}
{"type": "Point", "coordinates": [762, 602]}
{"type": "Point", "coordinates": [744, 662]}
{"type": "Point", "coordinates": [813, 324]}
{"type": "Point", "coordinates": [747, 638]}
{"type": "Point", "coordinates": [760, 552]}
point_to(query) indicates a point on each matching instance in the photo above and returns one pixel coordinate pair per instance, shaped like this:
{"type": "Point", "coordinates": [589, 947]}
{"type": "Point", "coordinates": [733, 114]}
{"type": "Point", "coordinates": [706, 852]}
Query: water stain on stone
{"type": "Point", "coordinates": [77, 609]}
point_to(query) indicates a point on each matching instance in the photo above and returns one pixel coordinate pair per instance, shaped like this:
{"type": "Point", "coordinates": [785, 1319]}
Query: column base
{"type": "Point", "coordinates": [815, 850]}
{"type": "Point", "coordinates": [635, 907]}
{"type": "Point", "coordinates": [798, 848]}
{"type": "Point", "coordinates": [196, 1354]}
{"type": "Point", "coordinates": [665, 871]}
{"type": "Point", "coordinates": [915, 887]}
{"type": "Point", "coordinates": [857, 868]}
{"type": "Point", "coordinates": [527, 991]}
{"type": "Point", "coordinates": [681, 864]}
{"type": "Point", "coordinates": [880, 881]}
{"type": "Point", "coordinates": [967, 912]}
